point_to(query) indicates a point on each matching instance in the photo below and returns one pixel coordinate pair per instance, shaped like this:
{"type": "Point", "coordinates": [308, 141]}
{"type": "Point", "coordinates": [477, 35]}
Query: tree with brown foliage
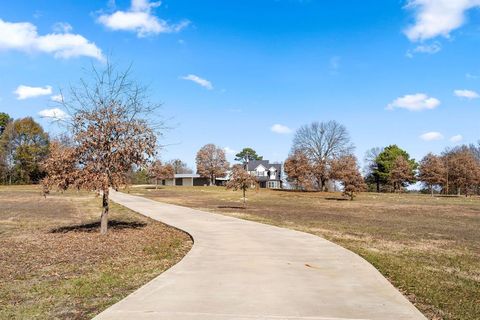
{"type": "Point", "coordinates": [240, 179]}
{"type": "Point", "coordinates": [401, 173]}
{"type": "Point", "coordinates": [322, 142]}
{"type": "Point", "coordinates": [345, 169]}
{"type": "Point", "coordinates": [159, 171]}
{"type": "Point", "coordinates": [61, 167]}
{"type": "Point", "coordinates": [463, 170]}
{"type": "Point", "coordinates": [298, 170]}
{"type": "Point", "coordinates": [432, 171]}
{"type": "Point", "coordinates": [110, 133]}
{"type": "Point", "coordinates": [211, 162]}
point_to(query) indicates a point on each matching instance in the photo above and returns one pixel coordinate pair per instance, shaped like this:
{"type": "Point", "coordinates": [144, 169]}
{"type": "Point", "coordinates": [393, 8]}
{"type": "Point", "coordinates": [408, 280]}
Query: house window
{"type": "Point", "coordinates": [272, 184]}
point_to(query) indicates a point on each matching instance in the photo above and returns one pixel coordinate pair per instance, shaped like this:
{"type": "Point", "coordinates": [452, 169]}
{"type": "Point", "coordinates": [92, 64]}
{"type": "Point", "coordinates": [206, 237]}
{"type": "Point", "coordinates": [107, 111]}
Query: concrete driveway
{"type": "Point", "coordinates": [245, 270]}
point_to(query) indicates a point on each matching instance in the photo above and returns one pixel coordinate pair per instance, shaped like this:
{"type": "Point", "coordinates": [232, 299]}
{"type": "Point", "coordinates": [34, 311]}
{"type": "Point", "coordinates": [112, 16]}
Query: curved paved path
{"type": "Point", "coordinates": [244, 270]}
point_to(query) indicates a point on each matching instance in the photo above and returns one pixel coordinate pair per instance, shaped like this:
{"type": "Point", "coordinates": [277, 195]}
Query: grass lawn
{"type": "Point", "coordinates": [54, 264]}
{"type": "Point", "coordinates": [427, 247]}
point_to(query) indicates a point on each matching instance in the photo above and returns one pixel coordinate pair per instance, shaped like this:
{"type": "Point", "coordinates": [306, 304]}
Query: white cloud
{"type": "Point", "coordinates": [26, 92]}
{"type": "Point", "coordinates": [57, 98]}
{"type": "Point", "coordinates": [23, 36]}
{"type": "Point", "coordinates": [425, 48]}
{"type": "Point", "coordinates": [456, 138]}
{"type": "Point", "coordinates": [467, 94]}
{"type": "Point", "coordinates": [280, 128]}
{"type": "Point", "coordinates": [54, 114]}
{"type": "Point", "coordinates": [435, 18]}
{"type": "Point", "coordinates": [414, 102]}
{"type": "Point", "coordinates": [431, 136]}
{"type": "Point", "coordinates": [200, 81]}
{"type": "Point", "coordinates": [229, 150]}
{"type": "Point", "coordinates": [139, 19]}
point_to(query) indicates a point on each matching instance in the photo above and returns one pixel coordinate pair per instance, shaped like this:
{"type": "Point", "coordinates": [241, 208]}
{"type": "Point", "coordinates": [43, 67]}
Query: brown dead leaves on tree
{"type": "Point", "coordinates": [345, 170]}
{"type": "Point", "coordinates": [211, 162]}
{"type": "Point", "coordinates": [159, 171]}
{"type": "Point", "coordinates": [401, 173]}
{"type": "Point", "coordinates": [240, 179]}
{"type": "Point", "coordinates": [109, 134]}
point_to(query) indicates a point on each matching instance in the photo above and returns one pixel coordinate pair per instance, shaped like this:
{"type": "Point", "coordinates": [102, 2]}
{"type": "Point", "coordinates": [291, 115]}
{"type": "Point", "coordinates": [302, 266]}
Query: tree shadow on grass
{"type": "Point", "coordinates": [337, 199]}
{"type": "Point", "coordinates": [95, 226]}
{"type": "Point", "coordinates": [232, 207]}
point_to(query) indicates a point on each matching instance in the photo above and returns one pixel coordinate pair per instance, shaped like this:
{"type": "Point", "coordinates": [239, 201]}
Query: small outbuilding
{"type": "Point", "coordinates": [190, 180]}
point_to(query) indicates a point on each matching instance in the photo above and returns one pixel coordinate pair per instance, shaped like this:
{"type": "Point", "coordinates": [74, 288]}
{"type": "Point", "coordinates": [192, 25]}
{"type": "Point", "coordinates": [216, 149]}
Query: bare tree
{"type": "Point", "coordinates": [322, 142]}
{"type": "Point", "coordinates": [298, 170]}
{"type": "Point", "coordinates": [159, 171]}
{"type": "Point", "coordinates": [179, 166]}
{"type": "Point", "coordinates": [432, 171]}
{"type": "Point", "coordinates": [112, 127]}
{"type": "Point", "coordinates": [242, 180]}
{"type": "Point", "coordinates": [401, 173]}
{"type": "Point", "coordinates": [345, 169]}
{"type": "Point", "coordinates": [211, 162]}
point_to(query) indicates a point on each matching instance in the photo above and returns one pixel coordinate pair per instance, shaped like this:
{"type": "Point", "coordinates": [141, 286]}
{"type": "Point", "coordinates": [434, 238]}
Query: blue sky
{"type": "Point", "coordinates": [248, 73]}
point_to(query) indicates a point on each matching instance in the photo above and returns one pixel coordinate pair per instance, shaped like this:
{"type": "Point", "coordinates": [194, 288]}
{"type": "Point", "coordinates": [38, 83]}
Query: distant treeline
{"type": "Point", "coordinates": [322, 154]}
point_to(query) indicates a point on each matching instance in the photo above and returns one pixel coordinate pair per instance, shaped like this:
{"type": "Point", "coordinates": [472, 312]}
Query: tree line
{"type": "Point", "coordinates": [322, 156]}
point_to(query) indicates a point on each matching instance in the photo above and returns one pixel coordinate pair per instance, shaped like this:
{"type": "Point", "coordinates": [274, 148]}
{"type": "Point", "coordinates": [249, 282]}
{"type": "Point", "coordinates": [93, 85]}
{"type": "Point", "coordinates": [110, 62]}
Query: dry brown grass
{"type": "Point", "coordinates": [428, 247]}
{"type": "Point", "coordinates": [55, 264]}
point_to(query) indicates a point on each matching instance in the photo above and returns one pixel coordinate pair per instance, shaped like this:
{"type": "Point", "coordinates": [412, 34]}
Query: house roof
{"type": "Point", "coordinates": [187, 175]}
{"type": "Point", "coordinates": [253, 164]}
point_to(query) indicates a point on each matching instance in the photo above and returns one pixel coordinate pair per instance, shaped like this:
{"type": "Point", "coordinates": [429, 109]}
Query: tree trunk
{"type": "Point", "coordinates": [431, 189]}
{"type": "Point", "coordinates": [377, 181]}
{"type": "Point", "coordinates": [244, 202]}
{"type": "Point", "coordinates": [446, 190]}
{"type": "Point", "coordinates": [322, 185]}
{"type": "Point", "coordinates": [156, 183]}
{"type": "Point", "coordinates": [104, 218]}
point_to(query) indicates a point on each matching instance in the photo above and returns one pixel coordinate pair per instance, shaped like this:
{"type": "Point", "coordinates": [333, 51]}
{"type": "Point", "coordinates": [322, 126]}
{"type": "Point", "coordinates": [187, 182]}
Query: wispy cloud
{"type": "Point", "coordinates": [456, 138]}
{"type": "Point", "coordinates": [23, 36]}
{"type": "Point", "coordinates": [414, 102]}
{"type": "Point", "coordinates": [435, 18]}
{"type": "Point", "coordinates": [53, 114]}
{"type": "Point", "coordinates": [139, 18]}
{"type": "Point", "coordinates": [57, 98]}
{"type": "Point", "coordinates": [62, 27]}
{"type": "Point", "coordinates": [431, 136]}
{"type": "Point", "coordinates": [467, 94]}
{"type": "Point", "coordinates": [198, 80]}
{"type": "Point", "coordinates": [471, 76]}
{"type": "Point", "coordinates": [431, 48]}
{"type": "Point", "coordinates": [280, 129]}
{"type": "Point", "coordinates": [26, 92]}
{"type": "Point", "coordinates": [229, 151]}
